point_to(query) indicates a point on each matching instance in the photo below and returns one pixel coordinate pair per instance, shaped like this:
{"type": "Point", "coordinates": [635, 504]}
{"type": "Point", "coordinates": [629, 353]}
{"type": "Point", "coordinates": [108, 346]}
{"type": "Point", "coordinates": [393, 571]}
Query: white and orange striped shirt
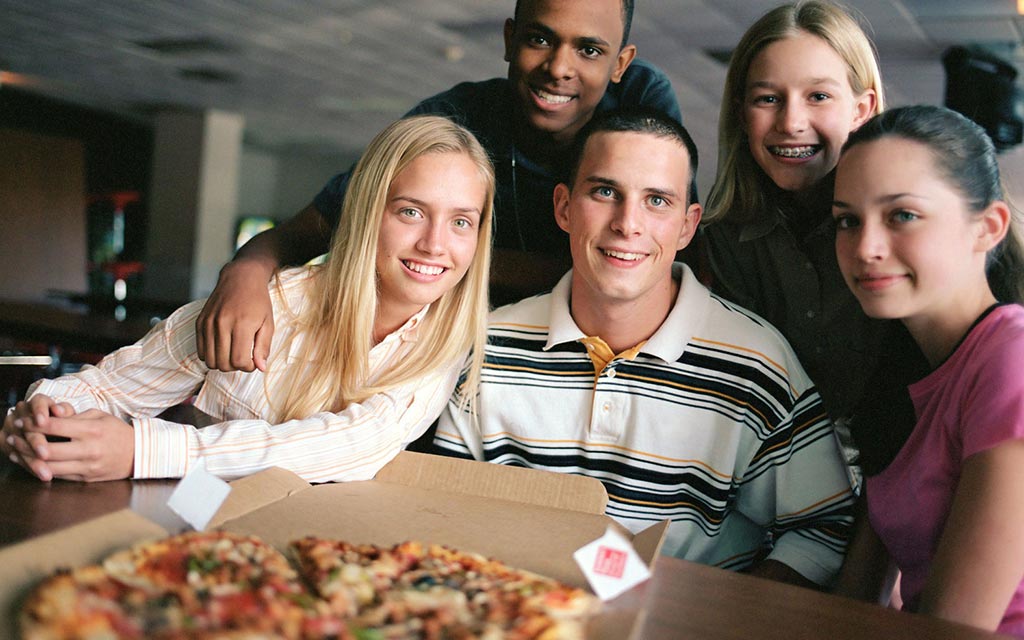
{"type": "Point", "coordinates": [139, 381]}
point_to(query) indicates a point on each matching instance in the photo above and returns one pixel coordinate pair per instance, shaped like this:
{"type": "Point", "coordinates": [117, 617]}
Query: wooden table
{"type": "Point", "coordinates": [682, 600]}
{"type": "Point", "coordinates": [69, 327]}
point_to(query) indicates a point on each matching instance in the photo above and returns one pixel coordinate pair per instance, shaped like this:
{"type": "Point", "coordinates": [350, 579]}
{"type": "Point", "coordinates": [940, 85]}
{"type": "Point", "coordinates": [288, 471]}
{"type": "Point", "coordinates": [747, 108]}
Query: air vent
{"type": "Point", "coordinates": [182, 46]}
{"type": "Point", "coordinates": [208, 74]}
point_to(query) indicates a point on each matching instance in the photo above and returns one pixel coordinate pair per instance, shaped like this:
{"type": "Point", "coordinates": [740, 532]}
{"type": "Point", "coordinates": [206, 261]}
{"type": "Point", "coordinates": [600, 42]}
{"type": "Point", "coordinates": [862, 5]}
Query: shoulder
{"type": "Point", "coordinates": [464, 99]}
{"type": "Point", "coordinates": [289, 289]}
{"type": "Point", "coordinates": [531, 313]}
{"type": "Point", "coordinates": [995, 347]}
{"type": "Point", "coordinates": [747, 336]}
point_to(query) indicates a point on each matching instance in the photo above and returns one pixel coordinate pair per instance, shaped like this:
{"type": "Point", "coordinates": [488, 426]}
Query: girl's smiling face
{"type": "Point", "coordinates": [906, 241]}
{"type": "Point", "coordinates": [799, 109]}
{"type": "Point", "coordinates": [428, 236]}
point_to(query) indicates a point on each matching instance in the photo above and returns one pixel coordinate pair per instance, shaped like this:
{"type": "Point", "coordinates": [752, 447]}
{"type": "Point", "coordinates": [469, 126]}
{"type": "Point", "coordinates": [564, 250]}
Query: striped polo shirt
{"type": "Point", "coordinates": [713, 425]}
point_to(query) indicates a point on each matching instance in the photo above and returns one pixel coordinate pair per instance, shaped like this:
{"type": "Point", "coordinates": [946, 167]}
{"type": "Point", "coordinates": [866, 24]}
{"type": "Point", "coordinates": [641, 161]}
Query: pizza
{"type": "Point", "coordinates": [192, 585]}
{"type": "Point", "coordinates": [416, 590]}
{"type": "Point", "coordinates": [218, 585]}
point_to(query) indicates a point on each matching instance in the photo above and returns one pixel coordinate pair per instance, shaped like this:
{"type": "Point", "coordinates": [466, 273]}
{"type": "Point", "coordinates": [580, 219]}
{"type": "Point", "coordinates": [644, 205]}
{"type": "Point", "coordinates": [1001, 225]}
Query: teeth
{"type": "Point", "coordinates": [794, 152]}
{"type": "Point", "coordinates": [551, 97]}
{"type": "Point", "coordinates": [622, 255]}
{"type": "Point", "coordinates": [425, 269]}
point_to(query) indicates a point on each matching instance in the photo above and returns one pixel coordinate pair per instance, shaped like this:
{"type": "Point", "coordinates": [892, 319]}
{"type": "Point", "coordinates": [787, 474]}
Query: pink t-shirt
{"type": "Point", "coordinates": [971, 403]}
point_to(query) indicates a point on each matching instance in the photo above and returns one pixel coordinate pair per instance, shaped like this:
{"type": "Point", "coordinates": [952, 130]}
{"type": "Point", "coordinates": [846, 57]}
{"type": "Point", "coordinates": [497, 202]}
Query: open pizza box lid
{"type": "Point", "coordinates": [528, 519]}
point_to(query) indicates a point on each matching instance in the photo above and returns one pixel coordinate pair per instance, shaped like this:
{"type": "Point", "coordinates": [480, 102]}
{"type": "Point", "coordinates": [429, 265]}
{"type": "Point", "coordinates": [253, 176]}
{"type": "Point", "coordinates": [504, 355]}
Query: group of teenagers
{"type": "Point", "coordinates": [853, 271]}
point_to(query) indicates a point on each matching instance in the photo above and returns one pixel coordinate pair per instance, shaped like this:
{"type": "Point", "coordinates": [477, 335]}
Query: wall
{"type": "Point", "coordinates": [42, 211]}
{"type": "Point", "coordinates": [279, 185]}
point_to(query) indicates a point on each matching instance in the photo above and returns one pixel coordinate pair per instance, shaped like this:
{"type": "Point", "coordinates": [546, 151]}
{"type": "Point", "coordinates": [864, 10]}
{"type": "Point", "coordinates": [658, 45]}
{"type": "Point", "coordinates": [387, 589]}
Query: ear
{"type": "Point", "coordinates": [690, 224]}
{"type": "Point", "coordinates": [863, 108]}
{"type": "Point", "coordinates": [622, 62]}
{"type": "Point", "coordinates": [994, 224]}
{"type": "Point", "coordinates": [561, 200]}
{"type": "Point", "coordinates": [510, 30]}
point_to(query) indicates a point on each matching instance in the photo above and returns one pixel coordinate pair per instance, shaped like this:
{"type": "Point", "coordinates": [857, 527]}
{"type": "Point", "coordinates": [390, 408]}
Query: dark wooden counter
{"type": "Point", "coordinates": [682, 600]}
{"type": "Point", "coordinates": [70, 327]}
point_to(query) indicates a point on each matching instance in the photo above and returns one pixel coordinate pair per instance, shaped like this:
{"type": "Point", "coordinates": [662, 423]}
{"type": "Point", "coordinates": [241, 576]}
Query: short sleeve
{"type": "Point", "coordinates": [994, 409]}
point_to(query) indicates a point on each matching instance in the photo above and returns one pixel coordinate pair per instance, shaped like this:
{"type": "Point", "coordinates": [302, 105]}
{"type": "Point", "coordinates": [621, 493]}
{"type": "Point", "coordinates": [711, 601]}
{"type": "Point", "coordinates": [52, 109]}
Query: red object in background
{"type": "Point", "coordinates": [121, 270]}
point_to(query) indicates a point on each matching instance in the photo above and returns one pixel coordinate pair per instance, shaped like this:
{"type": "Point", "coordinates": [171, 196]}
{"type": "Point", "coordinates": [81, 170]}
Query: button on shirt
{"type": "Point", "coordinates": [607, 417]}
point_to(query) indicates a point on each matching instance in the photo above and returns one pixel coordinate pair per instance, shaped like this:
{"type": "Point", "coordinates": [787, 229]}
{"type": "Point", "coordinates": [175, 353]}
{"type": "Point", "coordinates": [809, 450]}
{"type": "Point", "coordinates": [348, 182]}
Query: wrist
{"type": "Point", "coordinates": [249, 267]}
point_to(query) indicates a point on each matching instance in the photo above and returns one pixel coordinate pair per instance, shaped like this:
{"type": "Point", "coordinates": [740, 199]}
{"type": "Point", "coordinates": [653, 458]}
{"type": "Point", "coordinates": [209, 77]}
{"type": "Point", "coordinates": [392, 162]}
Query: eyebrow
{"type": "Point", "coordinates": [661, 191]}
{"type": "Point", "coordinates": [580, 41]}
{"type": "Point", "coordinates": [767, 84]}
{"type": "Point", "coordinates": [425, 205]}
{"type": "Point", "coordinates": [882, 200]}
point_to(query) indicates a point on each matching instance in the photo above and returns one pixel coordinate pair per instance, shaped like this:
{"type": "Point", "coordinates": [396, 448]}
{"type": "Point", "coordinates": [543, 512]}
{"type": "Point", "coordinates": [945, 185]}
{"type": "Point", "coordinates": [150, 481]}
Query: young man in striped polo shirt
{"type": "Point", "coordinates": [687, 407]}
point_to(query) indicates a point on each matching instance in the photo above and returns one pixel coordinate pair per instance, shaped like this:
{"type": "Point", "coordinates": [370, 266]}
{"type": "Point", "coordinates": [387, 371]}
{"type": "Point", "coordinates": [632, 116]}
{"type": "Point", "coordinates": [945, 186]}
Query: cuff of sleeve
{"type": "Point", "coordinates": [812, 560]}
{"type": "Point", "coordinates": [161, 449]}
{"type": "Point", "coordinates": [47, 387]}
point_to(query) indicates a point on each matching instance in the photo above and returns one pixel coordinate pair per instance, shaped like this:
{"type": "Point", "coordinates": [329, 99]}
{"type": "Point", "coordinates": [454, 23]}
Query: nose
{"type": "Point", "coordinates": [432, 240]}
{"type": "Point", "coordinates": [872, 243]}
{"type": "Point", "coordinates": [792, 117]}
{"type": "Point", "coordinates": [628, 219]}
{"type": "Point", "coordinates": [560, 64]}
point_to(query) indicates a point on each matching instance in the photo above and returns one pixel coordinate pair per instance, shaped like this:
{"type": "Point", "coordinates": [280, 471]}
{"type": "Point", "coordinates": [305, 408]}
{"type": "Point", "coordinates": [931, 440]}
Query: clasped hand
{"type": "Point", "coordinates": [93, 445]}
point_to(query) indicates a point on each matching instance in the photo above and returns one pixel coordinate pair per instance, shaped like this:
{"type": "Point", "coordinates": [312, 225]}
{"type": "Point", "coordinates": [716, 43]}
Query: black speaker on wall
{"type": "Point", "coordinates": [983, 87]}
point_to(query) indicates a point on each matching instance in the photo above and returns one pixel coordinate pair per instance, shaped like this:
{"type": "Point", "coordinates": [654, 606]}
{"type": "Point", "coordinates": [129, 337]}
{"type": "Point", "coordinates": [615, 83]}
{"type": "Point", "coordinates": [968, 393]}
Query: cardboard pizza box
{"type": "Point", "coordinates": [529, 519]}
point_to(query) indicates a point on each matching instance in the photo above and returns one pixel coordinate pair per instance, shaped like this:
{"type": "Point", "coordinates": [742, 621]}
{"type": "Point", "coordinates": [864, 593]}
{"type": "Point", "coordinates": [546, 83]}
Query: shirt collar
{"type": "Point", "coordinates": [408, 332]}
{"type": "Point", "coordinates": [668, 343]}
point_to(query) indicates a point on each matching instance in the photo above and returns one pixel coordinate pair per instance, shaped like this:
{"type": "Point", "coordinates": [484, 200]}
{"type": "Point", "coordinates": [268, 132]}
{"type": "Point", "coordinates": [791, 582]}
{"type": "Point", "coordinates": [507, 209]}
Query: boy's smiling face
{"type": "Point", "coordinates": [562, 54]}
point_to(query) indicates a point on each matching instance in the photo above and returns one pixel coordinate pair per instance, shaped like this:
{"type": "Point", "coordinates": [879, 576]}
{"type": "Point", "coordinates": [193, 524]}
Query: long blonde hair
{"type": "Point", "coordinates": [338, 323]}
{"type": "Point", "coordinates": [741, 189]}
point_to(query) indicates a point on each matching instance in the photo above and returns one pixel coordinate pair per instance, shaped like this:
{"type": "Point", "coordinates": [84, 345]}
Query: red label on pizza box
{"type": "Point", "coordinates": [610, 562]}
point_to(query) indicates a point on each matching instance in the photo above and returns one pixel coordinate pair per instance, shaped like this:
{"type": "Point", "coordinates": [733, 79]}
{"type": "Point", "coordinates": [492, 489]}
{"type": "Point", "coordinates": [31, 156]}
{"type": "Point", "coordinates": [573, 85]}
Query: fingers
{"type": "Point", "coordinates": [21, 453]}
{"type": "Point", "coordinates": [202, 334]}
{"type": "Point", "coordinates": [261, 348]}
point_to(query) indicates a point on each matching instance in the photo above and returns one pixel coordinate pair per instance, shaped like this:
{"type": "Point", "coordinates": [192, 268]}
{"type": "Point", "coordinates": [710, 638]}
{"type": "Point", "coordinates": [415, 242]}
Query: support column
{"type": "Point", "coordinates": [193, 202]}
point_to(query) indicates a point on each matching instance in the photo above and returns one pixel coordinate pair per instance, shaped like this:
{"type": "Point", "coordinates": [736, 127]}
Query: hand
{"type": "Point", "coordinates": [99, 446]}
{"type": "Point", "coordinates": [235, 327]}
{"type": "Point", "coordinates": [19, 439]}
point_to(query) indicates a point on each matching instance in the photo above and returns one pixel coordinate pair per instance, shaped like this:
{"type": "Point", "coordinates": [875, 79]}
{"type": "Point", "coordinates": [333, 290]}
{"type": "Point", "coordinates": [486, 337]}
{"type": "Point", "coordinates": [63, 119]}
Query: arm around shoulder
{"type": "Point", "coordinates": [236, 325]}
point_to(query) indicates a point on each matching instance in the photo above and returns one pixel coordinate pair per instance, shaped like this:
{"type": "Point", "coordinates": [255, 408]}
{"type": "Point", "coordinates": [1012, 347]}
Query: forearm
{"type": "Point", "coordinates": [868, 572]}
{"type": "Point", "coordinates": [352, 444]}
{"type": "Point", "coordinates": [144, 378]}
{"type": "Point", "coordinates": [293, 242]}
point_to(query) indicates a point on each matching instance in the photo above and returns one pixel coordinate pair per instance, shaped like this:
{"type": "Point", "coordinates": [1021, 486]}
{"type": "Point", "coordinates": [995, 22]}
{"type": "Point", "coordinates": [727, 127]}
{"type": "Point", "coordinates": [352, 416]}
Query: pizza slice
{"type": "Point", "coordinates": [414, 590]}
{"type": "Point", "coordinates": [88, 604]}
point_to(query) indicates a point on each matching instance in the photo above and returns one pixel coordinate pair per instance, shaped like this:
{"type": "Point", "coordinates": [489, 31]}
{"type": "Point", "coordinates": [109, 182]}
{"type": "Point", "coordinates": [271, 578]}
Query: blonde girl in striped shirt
{"type": "Point", "coordinates": [345, 388]}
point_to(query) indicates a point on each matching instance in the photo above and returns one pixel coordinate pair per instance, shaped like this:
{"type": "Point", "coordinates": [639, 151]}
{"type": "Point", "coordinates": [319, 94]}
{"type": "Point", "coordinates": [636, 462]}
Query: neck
{"type": "Point", "coordinates": [540, 146]}
{"type": "Point", "coordinates": [623, 325]}
{"type": "Point", "coordinates": [389, 319]}
{"type": "Point", "coordinates": [937, 335]}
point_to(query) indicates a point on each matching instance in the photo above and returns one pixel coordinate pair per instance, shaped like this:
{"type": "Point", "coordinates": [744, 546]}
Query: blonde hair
{"type": "Point", "coordinates": [338, 324]}
{"type": "Point", "coordinates": [741, 188]}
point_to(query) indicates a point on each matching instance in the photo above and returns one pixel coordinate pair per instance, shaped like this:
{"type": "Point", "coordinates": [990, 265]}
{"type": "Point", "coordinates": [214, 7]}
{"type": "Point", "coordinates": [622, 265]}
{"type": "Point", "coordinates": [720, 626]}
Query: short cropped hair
{"type": "Point", "coordinates": [627, 18]}
{"type": "Point", "coordinates": [637, 120]}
